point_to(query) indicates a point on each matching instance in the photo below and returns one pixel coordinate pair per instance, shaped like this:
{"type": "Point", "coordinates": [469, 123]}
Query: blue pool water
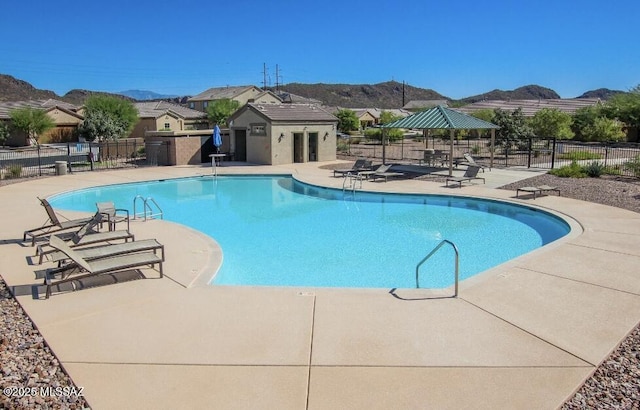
{"type": "Point", "coordinates": [274, 230]}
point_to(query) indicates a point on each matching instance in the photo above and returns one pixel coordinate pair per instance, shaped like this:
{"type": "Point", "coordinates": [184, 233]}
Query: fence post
{"type": "Point", "coordinates": [69, 157]}
{"type": "Point", "coordinates": [90, 156]}
{"type": "Point", "coordinates": [553, 153]}
{"type": "Point", "coordinates": [39, 160]}
{"type": "Point", "coordinates": [606, 153]}
{"type": "Point", "coordinates": [529, 152]}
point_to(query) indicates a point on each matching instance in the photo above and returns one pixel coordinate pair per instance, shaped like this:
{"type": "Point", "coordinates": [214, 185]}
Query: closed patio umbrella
{"type": "Point", "coordinates": [217, 138]}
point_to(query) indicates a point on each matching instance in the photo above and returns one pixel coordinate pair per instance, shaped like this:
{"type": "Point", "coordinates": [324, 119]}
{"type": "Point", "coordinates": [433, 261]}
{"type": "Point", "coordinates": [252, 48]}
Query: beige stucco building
{"type": "Point", "coordinates": [241, 94]}
{"type": "Point", "coordinates": [275, 134]}
{"type": "Point", "coordinates": [165, 116]}
{"type": "Point", "coordinates": [64, 115]}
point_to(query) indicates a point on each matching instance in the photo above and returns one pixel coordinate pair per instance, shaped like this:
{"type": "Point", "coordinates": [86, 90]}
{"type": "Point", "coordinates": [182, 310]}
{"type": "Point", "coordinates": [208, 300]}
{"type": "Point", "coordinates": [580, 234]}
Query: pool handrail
{"type": "Point", "coordinates": [455, 248]}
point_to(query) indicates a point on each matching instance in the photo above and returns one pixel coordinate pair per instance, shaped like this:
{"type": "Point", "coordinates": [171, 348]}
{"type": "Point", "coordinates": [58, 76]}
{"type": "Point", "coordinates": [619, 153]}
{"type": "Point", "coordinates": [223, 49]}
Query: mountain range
{"type": "Point", "coordinates": [390, 94]}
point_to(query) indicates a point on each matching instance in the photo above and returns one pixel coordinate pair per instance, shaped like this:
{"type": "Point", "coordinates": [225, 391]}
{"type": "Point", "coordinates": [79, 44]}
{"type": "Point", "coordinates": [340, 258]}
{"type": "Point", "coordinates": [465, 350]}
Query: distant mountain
{"type": "Point", "coordinates": [602, 93]}
{"type": "Point", "coordinates": [12, 89]}
{"type": "Point", "coordinates": [528, 92]}
{"type": "Point", "coordinates": [382, 95]}
{"type": "Point", "coordinates": [142, 95]}
{"type": "Point", "coordinates": [78, 97]}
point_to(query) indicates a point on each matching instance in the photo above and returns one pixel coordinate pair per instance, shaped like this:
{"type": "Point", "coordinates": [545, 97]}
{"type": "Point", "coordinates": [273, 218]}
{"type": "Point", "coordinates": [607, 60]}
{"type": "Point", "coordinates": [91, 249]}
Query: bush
{"type": "Point", "coordinates": [580, 155]}
{"type": "Point", "coordinates": [594, 170]}
{"type": "Point", "coordinates": [569, 171]}
{"type": "Point", "coordinates": [15, 171]}
{"type": "Point", "coordinates": [633, 166]}
{"type": "Point", "coordinates": [475, 150]}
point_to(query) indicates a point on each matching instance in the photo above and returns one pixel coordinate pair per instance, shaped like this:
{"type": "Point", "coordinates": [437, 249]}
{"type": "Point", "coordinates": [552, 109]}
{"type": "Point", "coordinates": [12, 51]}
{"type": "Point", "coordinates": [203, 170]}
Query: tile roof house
{"type": "Point", "coordinates": [242, 94]}
{"type": "Point", "coordinates": [65, 116]}
{"type": "Point", "coordinates": [531, 107]}
{"type": "Point", "coordinates": [275, 134]}
{"type": "Point", "coordinates": [166, 116]}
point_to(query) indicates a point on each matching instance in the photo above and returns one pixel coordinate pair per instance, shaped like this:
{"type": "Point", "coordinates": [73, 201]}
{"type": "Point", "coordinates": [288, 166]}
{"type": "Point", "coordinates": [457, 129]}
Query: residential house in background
{"type": "Point", "coordinates": [421, 105]}
{"type": "Point", "coordinates": [531, 107]}
{"type": "Point", "coordinates": [275, 134]}
{"type": "Point", "coordinates": [65, 116]}
{"type": "Point", "coordinates": [166, 116]}
{"type": "Point", "coordinates": [241, 94]}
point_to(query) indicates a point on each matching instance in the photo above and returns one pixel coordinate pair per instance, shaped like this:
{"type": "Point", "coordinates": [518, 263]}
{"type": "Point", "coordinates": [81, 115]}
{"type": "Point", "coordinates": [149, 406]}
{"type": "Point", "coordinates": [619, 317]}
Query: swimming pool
{"type": "Point", "coordinates": [276, 231]}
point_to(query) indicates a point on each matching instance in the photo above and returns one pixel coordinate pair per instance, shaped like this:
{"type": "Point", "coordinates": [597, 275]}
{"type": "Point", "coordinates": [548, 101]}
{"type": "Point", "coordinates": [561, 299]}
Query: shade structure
{"type": "Point", "coordinates": [217, 138]}
{"type": "Point", "coordinates": [440, 117]}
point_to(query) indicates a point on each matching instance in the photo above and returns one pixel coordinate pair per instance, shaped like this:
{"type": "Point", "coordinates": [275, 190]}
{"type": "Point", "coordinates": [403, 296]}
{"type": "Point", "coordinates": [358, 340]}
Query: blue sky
{"type": "Point", "coordinates": [458, 49]}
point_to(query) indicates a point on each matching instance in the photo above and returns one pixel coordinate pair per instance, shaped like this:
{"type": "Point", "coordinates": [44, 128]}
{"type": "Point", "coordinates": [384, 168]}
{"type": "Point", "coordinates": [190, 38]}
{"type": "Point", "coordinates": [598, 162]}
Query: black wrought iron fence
{"type": "Point", "coordinates": [50, 159]}
{"type": "Point", "coordinates": [546, 153]}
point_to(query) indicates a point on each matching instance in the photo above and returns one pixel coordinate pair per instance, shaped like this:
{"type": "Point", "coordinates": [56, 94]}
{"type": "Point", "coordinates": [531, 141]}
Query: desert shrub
{"type": "Point", "coordinates": [475, 150]}
{"type": "Point", "coordinates": [580, 155]}
{"type": "Point", "coordinates": [633, 166]}
{"type": "Point", "coordinates": [594, 169]}
{"type": "Point", "coordinates": [569, 171]}
{"type": "Point", "coordinates": [15, 171]}
{"type": "Point", "coordinates": [343, 146]}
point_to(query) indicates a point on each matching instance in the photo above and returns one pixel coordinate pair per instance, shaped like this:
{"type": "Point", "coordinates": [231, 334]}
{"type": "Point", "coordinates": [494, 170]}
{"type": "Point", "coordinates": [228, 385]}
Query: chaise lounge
{"type": "Point", "coordinates": [361, 164]}
{"type": "Point", "coordinates": [86, 235]}
{"type": "Point", "coordinates": [383, 172]}
{"type": "Point", "coordinates": [469, 175]}
{"type": "Point", "coordinates": [80, 268]}
{"type": "Point", "coordinates": [53, 225]}
{"type": "Point", "coordinates": [539, 190]}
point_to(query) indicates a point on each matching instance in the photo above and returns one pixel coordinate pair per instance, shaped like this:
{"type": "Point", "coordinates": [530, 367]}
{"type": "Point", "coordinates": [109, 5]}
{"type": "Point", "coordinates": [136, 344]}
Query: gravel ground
{"type": "Point", "coordinates": [27, 362]}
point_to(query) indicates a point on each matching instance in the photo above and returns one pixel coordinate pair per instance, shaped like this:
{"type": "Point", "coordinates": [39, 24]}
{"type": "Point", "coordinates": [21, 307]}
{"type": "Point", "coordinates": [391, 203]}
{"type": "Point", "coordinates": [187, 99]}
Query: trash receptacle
{"type": "Point", "coordinates": [61, 167]}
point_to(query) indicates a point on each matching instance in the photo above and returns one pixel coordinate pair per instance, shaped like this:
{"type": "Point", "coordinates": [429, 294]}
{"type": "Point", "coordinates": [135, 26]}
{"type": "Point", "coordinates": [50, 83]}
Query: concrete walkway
{"type": "Point", "coordinates": [525, 334]}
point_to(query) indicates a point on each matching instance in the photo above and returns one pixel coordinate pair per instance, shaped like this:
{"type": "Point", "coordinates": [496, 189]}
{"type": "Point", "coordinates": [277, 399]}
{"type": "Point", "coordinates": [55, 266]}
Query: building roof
{"type": "Point", "coordinates": [531, 107]}
{"type": "Point", "coordinates": [218, 93]}
{"type": "Point", "coordinates": [440, 117]}
{"type": "Point", "coordinates": [154, 109]}
{"type": "Point", "coordinates": [289, 112]}
{"type": "Point", "coordinates": [8, 106]}
{"type": "Point", "coordinates": [421, 104]}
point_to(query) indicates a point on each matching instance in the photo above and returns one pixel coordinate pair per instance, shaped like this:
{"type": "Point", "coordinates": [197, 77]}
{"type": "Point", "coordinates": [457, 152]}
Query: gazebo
{"type": "Point", "coordinates": [438, 118]}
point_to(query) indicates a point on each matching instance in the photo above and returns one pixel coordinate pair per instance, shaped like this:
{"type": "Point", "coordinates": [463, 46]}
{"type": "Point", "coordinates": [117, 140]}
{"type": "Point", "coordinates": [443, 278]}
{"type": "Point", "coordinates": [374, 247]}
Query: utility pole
{"type": "Point", "coordinates": [277, 78]}
{"type": "Point", "coordinates": [264, 75]}
{"type": "Point", "coordinates": [403, 93]}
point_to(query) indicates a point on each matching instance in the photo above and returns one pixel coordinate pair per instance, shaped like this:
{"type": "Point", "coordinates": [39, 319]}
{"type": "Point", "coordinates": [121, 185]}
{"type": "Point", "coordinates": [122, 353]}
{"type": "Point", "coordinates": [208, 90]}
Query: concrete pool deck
{"type": "Point", "coordinates": [525, 334]}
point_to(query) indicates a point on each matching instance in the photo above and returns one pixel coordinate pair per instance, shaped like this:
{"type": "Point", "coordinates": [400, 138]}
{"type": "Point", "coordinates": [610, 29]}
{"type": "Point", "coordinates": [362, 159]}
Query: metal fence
{"type": "Point", "coordinates": [546, 153]}
{"type": "Point", "coordinates": [51, 159]}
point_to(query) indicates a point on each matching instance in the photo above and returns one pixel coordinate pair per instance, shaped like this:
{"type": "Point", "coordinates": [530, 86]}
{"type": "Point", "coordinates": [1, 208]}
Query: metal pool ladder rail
{"type": "Point", "coordinates": [147, 211]}
{"type": "Point", "coordinates": [455, 248]}
{"type": "Point", "coordinates": [353, 179]}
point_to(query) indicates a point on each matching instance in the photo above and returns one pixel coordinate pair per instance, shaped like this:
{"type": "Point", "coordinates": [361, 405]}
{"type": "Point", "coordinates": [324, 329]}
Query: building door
{"type": "Point", "coordinates": [313, 146]}
{"type": "Point", "coordinates": [241, 145]}
{"type": "Point", "coordinates": [298, 147]}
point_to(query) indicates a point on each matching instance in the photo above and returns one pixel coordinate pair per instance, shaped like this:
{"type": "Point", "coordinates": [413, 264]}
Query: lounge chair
{"type": "Point", "coordinates": [114, 215]}
{"type": "Point", "coordinates": [539, 190]}
{"type": "Point", "coordinates": [383, 172]}
{"type": "Point", "coordinates": [110, 250]}
{"type": "Point", "coordinates": [82, 268]}
{"type": "Point", "coordinates": [53, 225]}
{"type": "Point", "coordinates": [468, 160]}
{"type": "Point", "coordinates": [86, 235]}
{"type": "Point", "coordinates": [469, 175]}
{"type": "Point", "coordinates": [361, 164]}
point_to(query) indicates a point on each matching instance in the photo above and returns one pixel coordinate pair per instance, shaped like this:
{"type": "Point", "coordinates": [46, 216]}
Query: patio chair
{"type": "Point", "coordinates": [468, 160]}
{"type": "Point", "coordinates": [82, 268]}
{"type": "Point", "coordinates": [53, 225]}
{"type": "Point", "coordinates": [469, 175]}
{"type": "Point", "coordinates": [383, 172]}
{"type": "Point", "coordinates": [114, 215]}
{"type": "Point", "coordinates": [537, 190]}
{"type": "Point", "coordinates": [86, 235]}
{"type": "Point", "coordinates": [361, 164]}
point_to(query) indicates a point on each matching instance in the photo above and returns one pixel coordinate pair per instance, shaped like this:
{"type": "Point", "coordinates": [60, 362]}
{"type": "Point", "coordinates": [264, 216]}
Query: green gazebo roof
{"type": "Point", "coordinates": [440, 117]}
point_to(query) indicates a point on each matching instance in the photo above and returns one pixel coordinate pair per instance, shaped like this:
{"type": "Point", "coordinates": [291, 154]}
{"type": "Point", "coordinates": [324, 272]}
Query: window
{"type": "Point", "coordinates": [167, 126]}
{"type": "Point", "coordinates": [205, 104]}
{"type": "Point", "coordinates": [258, 129]}
{"type": "Point", "coordinates": [192, 105]}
